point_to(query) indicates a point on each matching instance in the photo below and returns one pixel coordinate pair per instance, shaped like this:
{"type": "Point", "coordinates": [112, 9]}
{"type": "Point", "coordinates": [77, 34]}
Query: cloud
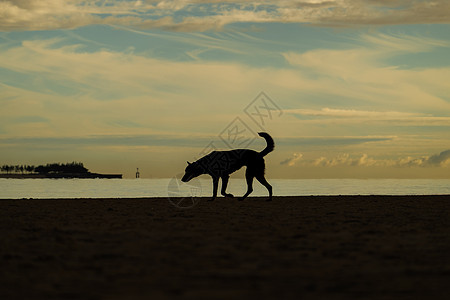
{"type": "Point", "coordinates": [111, 140]}
{"type": "Point", "coordinates": [343, 13]}
{"type": "Point", "coordinates": [59, 81]}
{"type": "Point", "coordinates": [355, 12]}
{"type": "Point", "coordinates": [352, 113]}
{"type": "Point", "coordinates": [105, 70]}
{"type": "Point", "coordinates": [209, 15]}
{"type": "Point", "coordinates": [235, 43]}
{"type": "Point", "coordinates": [90, 92]}
{"type": "Point", "coordinates": [41, 15]}
{"type": "Point", "coordinates": [399, 44]}
{"type": "Point", "coordinates": [342, 159]}
{"type": "Point", "coordinates": [30, 119]}
{"type": "Point", "coordinates": [291, 161]}
{"type": "Point", "coordinates": [331, 140]}
{"type": "Point", "coordinates": [437, 160]}
{"type": "Point", "coordinates": [363, 73]}
{"type": "Point", "coordinates": [361, 116]}
{"type": "Point", "coordinates": [441, 159]}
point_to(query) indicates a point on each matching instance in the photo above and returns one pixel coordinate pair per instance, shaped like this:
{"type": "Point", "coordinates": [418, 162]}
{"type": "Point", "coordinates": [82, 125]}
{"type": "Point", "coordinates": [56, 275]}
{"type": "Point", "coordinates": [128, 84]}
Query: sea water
{"type": "Point", "coordinates": [170, 187]}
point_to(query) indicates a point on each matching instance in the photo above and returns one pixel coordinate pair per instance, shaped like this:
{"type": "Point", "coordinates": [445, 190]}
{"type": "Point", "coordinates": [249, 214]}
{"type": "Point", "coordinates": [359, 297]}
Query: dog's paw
{"type": "Point", "coordinates": [230, 195]}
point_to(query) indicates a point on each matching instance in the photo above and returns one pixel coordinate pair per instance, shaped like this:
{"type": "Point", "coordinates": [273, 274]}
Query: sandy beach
{"type": "Point", "coordinates": [323, 247]}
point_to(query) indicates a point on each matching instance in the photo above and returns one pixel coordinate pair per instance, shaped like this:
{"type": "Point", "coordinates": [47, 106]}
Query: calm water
{"type": "Point", "coordinates": [115, 188]}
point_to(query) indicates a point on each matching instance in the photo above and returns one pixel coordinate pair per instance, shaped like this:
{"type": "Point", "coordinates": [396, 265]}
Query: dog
{"type": "Point", "coordinates": [220, 164]}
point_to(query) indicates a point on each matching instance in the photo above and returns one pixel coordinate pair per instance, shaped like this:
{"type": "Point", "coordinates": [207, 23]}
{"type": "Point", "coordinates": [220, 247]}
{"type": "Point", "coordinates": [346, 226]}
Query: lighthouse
{"type": "Point", "coordinates": [137, 173]}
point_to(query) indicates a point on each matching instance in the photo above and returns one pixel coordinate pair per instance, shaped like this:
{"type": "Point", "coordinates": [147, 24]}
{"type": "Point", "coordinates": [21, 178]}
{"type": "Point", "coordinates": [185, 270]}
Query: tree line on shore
{"type": "Point", "coordinates": [73, 167]}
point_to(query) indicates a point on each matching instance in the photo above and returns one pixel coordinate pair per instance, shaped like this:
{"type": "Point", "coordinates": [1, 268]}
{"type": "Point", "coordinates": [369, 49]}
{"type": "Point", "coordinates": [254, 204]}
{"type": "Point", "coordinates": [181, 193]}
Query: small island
{"type": "Point", "coordinates": [54, 170]}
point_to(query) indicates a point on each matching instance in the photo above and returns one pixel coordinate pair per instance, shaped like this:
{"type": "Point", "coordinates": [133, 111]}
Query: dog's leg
{"type": "Point", "coordinates": [249, 177]}
{"type": "Point", "coordinates": [215, 186]}
{"type": "Point", "coordinates": [264, 182]}
{"type": "Point", "coordinates": [224, 187]}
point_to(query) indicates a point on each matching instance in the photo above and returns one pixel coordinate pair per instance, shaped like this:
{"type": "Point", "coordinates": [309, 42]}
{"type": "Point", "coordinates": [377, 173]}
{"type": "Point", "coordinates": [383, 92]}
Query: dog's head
{"type": "Point", "coordinates": [192, 170]}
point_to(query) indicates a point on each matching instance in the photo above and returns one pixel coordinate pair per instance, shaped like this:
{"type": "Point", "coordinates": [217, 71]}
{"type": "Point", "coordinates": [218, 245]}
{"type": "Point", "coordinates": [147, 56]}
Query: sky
{"type": "Point", "coordinates": [347, 89]}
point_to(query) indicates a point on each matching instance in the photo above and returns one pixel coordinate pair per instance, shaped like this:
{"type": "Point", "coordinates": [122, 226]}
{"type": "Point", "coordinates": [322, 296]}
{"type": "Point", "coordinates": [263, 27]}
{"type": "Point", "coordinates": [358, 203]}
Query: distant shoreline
{"type": "Point", "coordinates": [61, 176]}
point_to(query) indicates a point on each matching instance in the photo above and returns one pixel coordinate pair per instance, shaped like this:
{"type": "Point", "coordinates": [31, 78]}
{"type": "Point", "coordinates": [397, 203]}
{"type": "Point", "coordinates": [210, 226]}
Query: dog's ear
{"type": "Point", "coordinates": [188, 163]}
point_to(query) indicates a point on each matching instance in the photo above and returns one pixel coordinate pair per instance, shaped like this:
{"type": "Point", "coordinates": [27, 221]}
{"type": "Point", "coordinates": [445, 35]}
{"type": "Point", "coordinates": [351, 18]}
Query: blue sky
{"type": "Point", "coordinates": [360, 88]}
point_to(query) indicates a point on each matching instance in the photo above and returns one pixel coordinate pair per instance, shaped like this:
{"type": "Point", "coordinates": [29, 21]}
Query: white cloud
{"type": "Point", "coordinates": [342, 159]}
{"type": "Point", "coordinates": [291, 161]}
{"type": "Point", "coordinates": [438, 160]}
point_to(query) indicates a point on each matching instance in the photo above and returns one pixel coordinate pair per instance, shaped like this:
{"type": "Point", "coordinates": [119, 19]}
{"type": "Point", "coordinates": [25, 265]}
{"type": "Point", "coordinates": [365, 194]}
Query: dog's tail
{"type": "Point", "coordinates": [270, 143]}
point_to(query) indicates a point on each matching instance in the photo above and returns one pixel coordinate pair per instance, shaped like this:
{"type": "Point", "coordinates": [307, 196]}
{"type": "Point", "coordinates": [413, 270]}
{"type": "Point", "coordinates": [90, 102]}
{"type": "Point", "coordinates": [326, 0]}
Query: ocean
{"type": "Point", "coordinates": [172, 187]}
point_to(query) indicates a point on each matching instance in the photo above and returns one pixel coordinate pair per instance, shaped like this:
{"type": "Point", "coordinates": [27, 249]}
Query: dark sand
{"type": "Point", "coordinates": [359, 247]}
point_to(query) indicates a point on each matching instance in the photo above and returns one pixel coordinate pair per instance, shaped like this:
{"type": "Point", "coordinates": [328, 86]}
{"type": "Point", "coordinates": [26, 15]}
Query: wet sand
{"type": "Point", "coordinates": [335, 247]}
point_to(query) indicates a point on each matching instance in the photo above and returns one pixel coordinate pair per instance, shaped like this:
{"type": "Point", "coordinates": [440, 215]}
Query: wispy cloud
{"type": "Point", "coordinates": [397, 43]}
{"type": "Point", "coordinates": [164, 140]}
{"type": "Point", "coordinates": [352, 113]}
{"type": "Point", "coordinates": [331, 140]}
{"type": "Point", "coordinates": [61, 82]}
{"type": "Point", "coordinates": [232, 42]}
{"type": "Point", "coordinates": [361, 116]}
{"type": "Point", "coordinates": [362, 72]}
{"type": "Point", "coordinates": [30, 119]}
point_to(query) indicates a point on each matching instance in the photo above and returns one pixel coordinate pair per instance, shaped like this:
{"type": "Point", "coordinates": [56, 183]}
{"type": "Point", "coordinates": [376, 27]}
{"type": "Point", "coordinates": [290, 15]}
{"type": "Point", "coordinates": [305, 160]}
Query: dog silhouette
{"type": "Point", "coordinates": [220, 164]}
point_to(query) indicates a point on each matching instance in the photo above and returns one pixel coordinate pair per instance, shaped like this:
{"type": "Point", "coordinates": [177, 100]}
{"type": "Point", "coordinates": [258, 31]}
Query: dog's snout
{"type": "Point", "coordinates": [185, 178]}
